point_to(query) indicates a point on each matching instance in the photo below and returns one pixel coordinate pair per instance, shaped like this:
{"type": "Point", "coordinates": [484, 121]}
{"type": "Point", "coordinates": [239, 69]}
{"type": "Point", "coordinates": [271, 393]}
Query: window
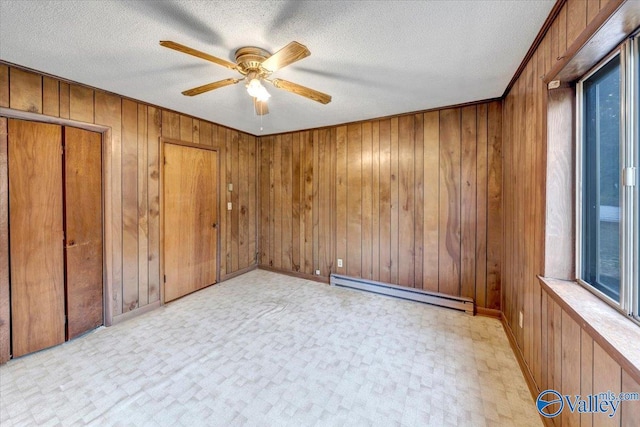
{"type": "Point", "coordinates": [607, 154]}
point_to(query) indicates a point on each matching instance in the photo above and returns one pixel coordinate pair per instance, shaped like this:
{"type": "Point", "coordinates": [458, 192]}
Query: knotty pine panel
{"type": "Point", "coordinates": [132, 191]}
{"type": "Point", "coordinates": [378, 198]}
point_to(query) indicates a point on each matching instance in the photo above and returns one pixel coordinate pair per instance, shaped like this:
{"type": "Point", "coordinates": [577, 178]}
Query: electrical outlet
{"type": "Point", "coordinates": [339, 262]}
{"type": "Point", "coordinates": [317, 272]}
{"type": "Point", "coordinates": [229, 206]}
{"type": "Point", "coordinates": [520, 320]}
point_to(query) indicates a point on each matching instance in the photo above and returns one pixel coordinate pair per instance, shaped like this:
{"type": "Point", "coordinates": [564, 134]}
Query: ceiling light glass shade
{"type": "Point", "coordinates": [255, 89]}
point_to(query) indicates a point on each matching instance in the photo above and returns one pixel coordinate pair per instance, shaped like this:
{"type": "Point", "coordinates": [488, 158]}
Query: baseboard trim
{"type": "Point", "coordinates": [528, 376]}
{"type": "Point", "coordinates": [134, 313]}
{"type": "Point", "coordinates": [238, 273]}
{"type": "Point", "coordinates": [321, 279]}
{"type": "Point", "coordinates": [489, 312]}
{"type": "Point", "coordinates": [434, 298]}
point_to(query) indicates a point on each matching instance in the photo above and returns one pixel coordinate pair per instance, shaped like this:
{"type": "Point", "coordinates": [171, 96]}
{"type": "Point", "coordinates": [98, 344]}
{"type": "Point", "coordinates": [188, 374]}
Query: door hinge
{"type": "Point", "coordinates": [165, 278]}
{"type": "Point", "coordinates": [629, 177]}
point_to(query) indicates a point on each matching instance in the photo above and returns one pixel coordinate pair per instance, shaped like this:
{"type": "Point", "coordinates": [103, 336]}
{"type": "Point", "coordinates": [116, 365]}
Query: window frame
{"type": "Point", "coordinates": [629, 227]}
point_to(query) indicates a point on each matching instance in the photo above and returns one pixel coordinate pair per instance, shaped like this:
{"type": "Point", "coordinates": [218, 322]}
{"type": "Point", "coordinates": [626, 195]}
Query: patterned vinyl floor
{"type": "Point", "coordinates": [265, 349]}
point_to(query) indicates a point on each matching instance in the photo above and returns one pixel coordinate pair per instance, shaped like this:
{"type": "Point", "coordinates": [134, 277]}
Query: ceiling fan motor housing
{"type": "Point", "coordinates": [249, 59]}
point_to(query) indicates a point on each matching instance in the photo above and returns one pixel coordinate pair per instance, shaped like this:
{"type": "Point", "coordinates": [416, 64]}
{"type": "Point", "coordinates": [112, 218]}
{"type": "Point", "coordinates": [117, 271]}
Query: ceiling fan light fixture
{"type": "Point", "coordinates": [255, 89]}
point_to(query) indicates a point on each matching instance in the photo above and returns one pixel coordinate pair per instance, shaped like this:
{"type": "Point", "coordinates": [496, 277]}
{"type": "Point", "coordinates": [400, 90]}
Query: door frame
{"type": "Point", "coordinates": [107, 229]}
{"type": "Point", "coordinates": [172, 141]}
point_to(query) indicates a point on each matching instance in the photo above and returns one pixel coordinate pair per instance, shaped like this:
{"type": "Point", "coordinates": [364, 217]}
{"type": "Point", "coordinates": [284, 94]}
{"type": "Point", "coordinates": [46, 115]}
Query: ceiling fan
{"type": "Point", "coordinates": [255, 65]}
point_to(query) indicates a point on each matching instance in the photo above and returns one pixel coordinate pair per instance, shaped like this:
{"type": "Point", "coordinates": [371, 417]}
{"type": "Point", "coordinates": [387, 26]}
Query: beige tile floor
{"type": "Point", "coordinates": [265, 349]}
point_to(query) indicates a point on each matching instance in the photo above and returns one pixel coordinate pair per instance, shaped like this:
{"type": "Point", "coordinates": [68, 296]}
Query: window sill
{"type": "Point", "coordinates": [612, 330]}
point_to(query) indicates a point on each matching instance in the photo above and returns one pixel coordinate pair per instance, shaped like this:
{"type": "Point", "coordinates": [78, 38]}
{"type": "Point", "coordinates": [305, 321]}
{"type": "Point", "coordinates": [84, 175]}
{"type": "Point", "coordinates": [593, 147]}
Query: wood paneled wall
{"type": "Point", "coordinates": [134, 190]}
{"type": "Point", "coordinates": [557, 352]}
{"type": "Point", "coordinates": [412, 200]}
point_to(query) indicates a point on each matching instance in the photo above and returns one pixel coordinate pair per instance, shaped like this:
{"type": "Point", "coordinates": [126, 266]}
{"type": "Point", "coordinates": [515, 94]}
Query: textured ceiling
{"type": "Point", "coordinates": [376, 58]}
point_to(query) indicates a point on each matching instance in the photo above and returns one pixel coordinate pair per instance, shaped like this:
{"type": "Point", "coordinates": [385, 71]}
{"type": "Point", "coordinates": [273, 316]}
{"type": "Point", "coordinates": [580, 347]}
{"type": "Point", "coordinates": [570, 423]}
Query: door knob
{"type": "Point", "coordinates": [214, 225]}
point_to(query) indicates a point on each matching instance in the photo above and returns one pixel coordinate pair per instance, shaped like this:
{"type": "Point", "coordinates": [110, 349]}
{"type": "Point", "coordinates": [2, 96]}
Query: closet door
{"type": "Point", "coordinates": [190, 219]}
{"type": "Point", "coordinates": [36, 236]}
{"type": "Point", "coordinates": [83, 225]}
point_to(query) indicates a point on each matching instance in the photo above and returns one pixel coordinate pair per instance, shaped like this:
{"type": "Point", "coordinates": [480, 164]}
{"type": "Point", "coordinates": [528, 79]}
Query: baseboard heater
{"type": "Point", "coordinates": [433, 298]}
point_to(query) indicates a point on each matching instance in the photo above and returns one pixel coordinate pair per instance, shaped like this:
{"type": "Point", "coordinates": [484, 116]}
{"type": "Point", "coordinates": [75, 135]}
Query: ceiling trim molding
{"type": "Point", "coordinates": [536, 42]}
{"type": "Point", "coordinates": [374, 119]}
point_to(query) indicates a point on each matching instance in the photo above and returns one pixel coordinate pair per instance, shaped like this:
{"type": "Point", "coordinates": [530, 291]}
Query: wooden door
{"type": "Point", "coordinates": [36, 236]}
{"type": "Point", "coordinates": [83, 229]}
{"type": "Point", "coordinates": [190, 219]}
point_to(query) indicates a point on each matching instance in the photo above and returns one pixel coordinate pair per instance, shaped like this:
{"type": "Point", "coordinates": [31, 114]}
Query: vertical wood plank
{"type": "Point", "coordinates": [562, 31]}
{"type": "Point", "coordinates": [395, 199]}
{"type": "Point", "coordinates": [287, 210]}
{"type": "Point", "coordinates": [4, 85]}
{"type": "Point", "coordinates": [318, 188]}
{"type": "Point", "coordinates": [170, 124]}
{"type": "Point", "coordinates": [431, 212]}
{"type": "Point", "coordinates": [5, 313]}
{"type": "Point", "coordinates": [570, 365]}
{"type": "Point", "coordinates": [418, 159]}
{"type": "Point", "coordinates": [154, 121]}
{"type": "Point", "coordinates": [481, 207]}
{"type": "Point", "coordinates": [64, 100]}
{"type": "Point", "coordinates": [186, 128]}
{"type": "Point", "coordinates": [143, 208]}
{"type": "Point", "coordinates": [544, 342]}
{"type": "Point", "coordinates": [195, 131]}
{"type": "Point", "coordinates": [108, 112]}
{"type": "Point", "coordinates": [51, 97]}
{"type": "Point", "coordinates": [222, 142]}
{"type": "Point", "coordinates": [449, 244]}
{"type": "Point", "coordinates": [204, 133]}
{"type": "Point", "coordinates": [494, 200]}
{"type": "Point", "coordinates": [367, 202]}
{"type": "Point", "coordinates": [607, 376]}
{"type": "Point", "coordinates": [325, 189]}
{"type": "Point", "coordinates": [468, 204]}
{"type": "Point", "coordinates": [243, 200]}
{"type": "Point", "coordinates": [309, 202]}
{"type": "Point", "coordinates": [81, 103]}
{"type": "Point", "coordinates": [354, 200]}
{"type": "Point", "coordinates": [296, 202]}
{"type": "Point", "coordinates": [406, 208]}
{"type": "Point", "coordinates": [252, 246]}
{"type": "Point", "coordinates": [25, 91]}
{"type": "Point", "coordinates": [130, 205]}
{"type": "Point", "coordinates": [375, 201]}
{"type": "Point", "coordinates": [233, 255]}
{"type": "Point", "coordinates": [385, 200]}
{"type": "Point", "coordinates": [586, 374]}
{"type": "Point", "coordinates": [276, 233]}
{"type": "Point", "coordinates": [341, 197]}
{"type": "Point", "coordinates": [593, 7]}
{"type": "Point", "coordinates": [265, 200]}
{"type": "Point", "coordinates": [576, 19]}
{"type": "Point", "coordinates": [630, 410]}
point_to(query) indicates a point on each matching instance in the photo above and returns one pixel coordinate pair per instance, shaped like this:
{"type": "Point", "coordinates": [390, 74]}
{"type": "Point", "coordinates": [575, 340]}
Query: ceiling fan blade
{"type": "Point", "coordinates": [289, 54]}
{"type": "Point", "coordinates": [185, 49]}
{"type": "Point", "coordinates": [323, 98]}
{"type": "Point", "coordinates": [211, 86]}
{"type": "Point", "coordinates": [261, 107]}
